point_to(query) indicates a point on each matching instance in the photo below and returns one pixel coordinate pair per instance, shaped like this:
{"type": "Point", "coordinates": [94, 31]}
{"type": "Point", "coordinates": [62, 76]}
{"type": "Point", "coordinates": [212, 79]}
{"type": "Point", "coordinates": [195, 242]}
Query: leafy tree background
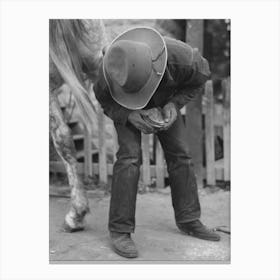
{"type": "Point", "coordinates": [217, 46]}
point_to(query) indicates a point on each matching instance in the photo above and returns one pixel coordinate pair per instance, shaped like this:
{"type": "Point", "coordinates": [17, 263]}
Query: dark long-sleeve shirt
{"type": "Point", "coordinates": [185, 75]}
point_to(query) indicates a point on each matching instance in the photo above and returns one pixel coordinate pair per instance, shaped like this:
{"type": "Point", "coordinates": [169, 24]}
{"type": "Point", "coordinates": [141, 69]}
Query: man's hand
{"type": "Point", "coordinates": [169, 114]}
{"type": "Point", "coordinates": [136, 119]}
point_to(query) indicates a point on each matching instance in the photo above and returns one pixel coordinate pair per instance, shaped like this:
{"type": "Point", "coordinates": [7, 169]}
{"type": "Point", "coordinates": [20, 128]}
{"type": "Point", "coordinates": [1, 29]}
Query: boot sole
{"type": "Point", "coordinates": [190, 233]}
{"type": "Point", "coordinates": [123, 254]}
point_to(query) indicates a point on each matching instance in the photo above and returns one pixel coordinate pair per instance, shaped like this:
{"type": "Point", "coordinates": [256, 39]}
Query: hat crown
{"type": "Point", "coordinates": [133, 66]}
{"type": "Point", "coordinates": [129, 64]}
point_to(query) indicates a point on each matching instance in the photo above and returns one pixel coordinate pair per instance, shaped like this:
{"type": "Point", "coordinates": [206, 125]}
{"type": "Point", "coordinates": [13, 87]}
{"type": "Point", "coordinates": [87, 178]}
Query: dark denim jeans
{"type": "Point", "coordinates": [127, 170]}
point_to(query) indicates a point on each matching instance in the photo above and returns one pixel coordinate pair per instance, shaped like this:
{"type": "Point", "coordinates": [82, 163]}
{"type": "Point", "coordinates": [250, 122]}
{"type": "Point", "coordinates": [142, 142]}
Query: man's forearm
{"type": "Point", "coordinates": [184, 96]}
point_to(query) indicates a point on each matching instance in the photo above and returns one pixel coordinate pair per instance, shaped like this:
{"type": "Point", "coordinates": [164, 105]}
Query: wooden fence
{"type": "Point", "coordinates": [217, 116]}
{"type": "Point", "coordinates": [153, 169]}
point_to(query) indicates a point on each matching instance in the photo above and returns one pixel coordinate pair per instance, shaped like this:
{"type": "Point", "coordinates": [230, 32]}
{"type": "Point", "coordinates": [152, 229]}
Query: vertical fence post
{"type": "Point", "coordinates": [87, 153]}
{"type": "Point", "coordinates": [102, 157]}
{"type": "Point", "coordinates": [209, 135]}
{"type": "Point", "coordinates": [226, 128]}
{"type": "Point", "coordinates": [146, 173]}
{"type": "Point", "coordinates": [159, 165]}
{"type": "Point", "coordinates": [195, 37]}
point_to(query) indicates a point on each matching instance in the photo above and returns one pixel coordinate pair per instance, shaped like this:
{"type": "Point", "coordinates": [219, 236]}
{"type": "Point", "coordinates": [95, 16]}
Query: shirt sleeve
{"type": "Point", "coordinates": [112, 109]}
{"type": "Point", "coordinates": [190, 80]}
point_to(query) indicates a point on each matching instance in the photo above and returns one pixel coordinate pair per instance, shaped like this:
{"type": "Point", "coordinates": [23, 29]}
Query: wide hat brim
{"type": "Point", "coordinates": [155, 41]}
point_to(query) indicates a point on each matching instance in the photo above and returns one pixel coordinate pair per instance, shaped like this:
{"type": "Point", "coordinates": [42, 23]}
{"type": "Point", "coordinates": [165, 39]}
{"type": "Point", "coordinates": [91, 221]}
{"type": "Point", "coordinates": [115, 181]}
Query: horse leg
{"type": "Point", "coordinates": [64, 145]}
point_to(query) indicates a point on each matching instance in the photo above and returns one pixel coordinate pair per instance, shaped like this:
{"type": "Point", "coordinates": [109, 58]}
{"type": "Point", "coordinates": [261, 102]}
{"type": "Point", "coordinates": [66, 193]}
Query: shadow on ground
{"type": "Point", "coordinates": [156, 235]}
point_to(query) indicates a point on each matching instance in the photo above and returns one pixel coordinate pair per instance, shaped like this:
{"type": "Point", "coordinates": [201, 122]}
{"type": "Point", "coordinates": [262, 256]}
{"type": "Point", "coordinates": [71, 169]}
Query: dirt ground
{"type": "Point", "coordinates": [156, 236]}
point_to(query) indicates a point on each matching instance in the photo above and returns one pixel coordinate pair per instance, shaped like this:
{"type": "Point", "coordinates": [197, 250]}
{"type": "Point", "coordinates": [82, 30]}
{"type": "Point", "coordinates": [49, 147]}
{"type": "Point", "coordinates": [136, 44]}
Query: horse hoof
{"type": "Point", "coordinates": [67, 228]}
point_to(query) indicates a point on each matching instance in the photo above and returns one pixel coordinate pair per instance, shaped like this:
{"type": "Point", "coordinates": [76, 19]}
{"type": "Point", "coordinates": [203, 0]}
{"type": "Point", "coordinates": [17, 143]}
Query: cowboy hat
{"type": "Point", "coordinates": [134, 65]}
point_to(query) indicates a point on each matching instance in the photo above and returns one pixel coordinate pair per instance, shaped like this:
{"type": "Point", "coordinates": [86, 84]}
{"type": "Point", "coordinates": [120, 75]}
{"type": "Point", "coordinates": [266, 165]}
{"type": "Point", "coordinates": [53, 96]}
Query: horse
{"type": "Point", "coordinates": [75, 54]}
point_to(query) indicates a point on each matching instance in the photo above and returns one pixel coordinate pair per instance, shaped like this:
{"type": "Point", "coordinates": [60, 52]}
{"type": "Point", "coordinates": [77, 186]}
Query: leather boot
{"type": "Point", "coordinates": [123, 245]}
{"type": "Point", "coordinates": [197, 229]}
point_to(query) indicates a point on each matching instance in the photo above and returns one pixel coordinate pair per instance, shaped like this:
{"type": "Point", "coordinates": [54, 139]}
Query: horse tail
{"type": "Point", "coordinates": [64, 36]}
